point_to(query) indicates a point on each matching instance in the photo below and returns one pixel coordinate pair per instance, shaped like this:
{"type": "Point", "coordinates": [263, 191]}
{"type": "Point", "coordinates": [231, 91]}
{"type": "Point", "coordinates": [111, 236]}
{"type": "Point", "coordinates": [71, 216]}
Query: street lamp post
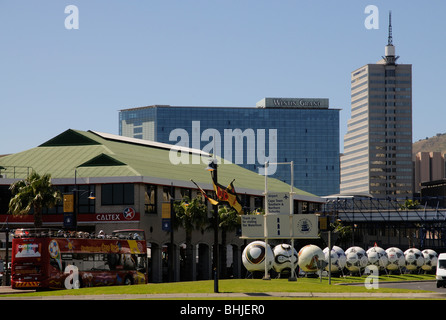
{"type": "Point", "coordinates": [75, 205]}
{"type": "Point", "coordinates": [212, 167]}
{"type": "Point", "coordinates": [171, 261]}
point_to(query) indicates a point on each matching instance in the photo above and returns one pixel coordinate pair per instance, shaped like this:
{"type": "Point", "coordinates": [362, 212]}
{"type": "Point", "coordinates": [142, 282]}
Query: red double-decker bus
{"type": "Point", "coordinates": [50, 259]}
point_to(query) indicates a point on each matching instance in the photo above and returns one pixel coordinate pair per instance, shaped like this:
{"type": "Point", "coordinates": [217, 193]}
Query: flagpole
{"type": "Point", "coordinates": [216, 253]}
{"type": "Point", "coordinates": [293, 271]}
{"type": "Point", "coordinates": [266, 276]}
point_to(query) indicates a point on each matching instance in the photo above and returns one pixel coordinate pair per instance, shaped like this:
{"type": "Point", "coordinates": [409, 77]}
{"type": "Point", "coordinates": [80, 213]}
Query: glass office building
{"type": "Point", "coordinates": [305, 131]}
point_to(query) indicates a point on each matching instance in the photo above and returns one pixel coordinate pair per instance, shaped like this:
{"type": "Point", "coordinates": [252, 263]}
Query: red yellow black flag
{"type": "Point", "coordinates": [212, 201]}
{"type": "Point", "coordinates": [228, 195]}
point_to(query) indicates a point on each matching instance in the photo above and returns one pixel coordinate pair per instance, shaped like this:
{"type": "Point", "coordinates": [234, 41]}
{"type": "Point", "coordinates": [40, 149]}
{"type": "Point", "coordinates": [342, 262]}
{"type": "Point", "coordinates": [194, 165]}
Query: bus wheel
{"type": "Point", "coordinates": [128, 280]}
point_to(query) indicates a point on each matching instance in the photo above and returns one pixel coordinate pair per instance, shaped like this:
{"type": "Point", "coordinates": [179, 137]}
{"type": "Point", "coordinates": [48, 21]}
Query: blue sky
{"type": "Point", "coordinates": [202, 53]}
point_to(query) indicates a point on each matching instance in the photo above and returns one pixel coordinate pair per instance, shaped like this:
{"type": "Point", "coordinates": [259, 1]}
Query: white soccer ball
{"type": "Point", "coordinates": [377, 256]}
{"type": "Point", "coordinates": [253, 256]}
{"type": "Point", "coordinates": [430, 259]}
{"type": "Point", "coordinates": [309, 257]}
{"type": "Point", "coordinates": [414, 259]}
{"type": "Point", "coordinates": [284, 257]}
{"type": "Point", "coordinates": [338, 259]}
{"type": "Point", "coordinates": [396, 258]}
{"type": "Point", "coordinates": [356, 259]}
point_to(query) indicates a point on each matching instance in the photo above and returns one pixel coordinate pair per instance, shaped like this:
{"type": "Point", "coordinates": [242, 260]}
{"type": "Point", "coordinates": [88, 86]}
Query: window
{"type": "Point", "coordinates": [5, 197]}
{"type": "Point", "coordinates": [84, 205]}
{"type": "Point", "coordinates": [390, 73]}
{"type": "Point", "coordinates": [186, 193]}
{"type": "Point", "coordinates": [258, 202]}
{"type": "Point", "coordinates": [117, 194]}
{"type": "Point", "coordinates": [168, 193]}
{"type": "Point", "coordinates": [305, 207]}
{"type": "Point", "coordinates": [137, 130]}
{"type": "Point", "coordinates": [245, 201]}
{"type": "Point", "coordinates": [150, 199]}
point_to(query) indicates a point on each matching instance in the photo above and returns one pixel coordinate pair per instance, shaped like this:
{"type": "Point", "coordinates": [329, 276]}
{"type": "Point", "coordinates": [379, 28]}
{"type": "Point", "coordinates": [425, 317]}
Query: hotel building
{"type": "Point", "coordinates": [302, 130]}
{"type": "Point", "coordinates": [377, 157]}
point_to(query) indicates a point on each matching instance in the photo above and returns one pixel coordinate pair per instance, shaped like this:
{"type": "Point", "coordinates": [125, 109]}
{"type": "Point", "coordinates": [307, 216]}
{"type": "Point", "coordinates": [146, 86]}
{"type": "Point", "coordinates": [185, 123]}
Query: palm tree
{"type": "Point", "coordinates": [35, 192]}
{"type": "Point", "coordinates": [190, 215]}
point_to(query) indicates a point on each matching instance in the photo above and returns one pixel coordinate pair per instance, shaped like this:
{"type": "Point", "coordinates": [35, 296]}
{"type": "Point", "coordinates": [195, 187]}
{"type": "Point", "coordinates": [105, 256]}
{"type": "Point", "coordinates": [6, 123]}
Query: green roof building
{"type": "Point", "coordinates": [131, 180]}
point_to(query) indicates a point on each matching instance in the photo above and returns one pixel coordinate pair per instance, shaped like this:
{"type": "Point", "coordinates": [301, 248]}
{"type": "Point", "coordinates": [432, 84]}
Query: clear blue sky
{"type": "Point", "coordinates": [202, 53]}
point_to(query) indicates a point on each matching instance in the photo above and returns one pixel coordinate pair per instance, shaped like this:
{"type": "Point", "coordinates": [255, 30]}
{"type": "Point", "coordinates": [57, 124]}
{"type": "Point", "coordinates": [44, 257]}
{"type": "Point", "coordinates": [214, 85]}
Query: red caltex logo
{"type": "Point", "coordinates": [129, 213]}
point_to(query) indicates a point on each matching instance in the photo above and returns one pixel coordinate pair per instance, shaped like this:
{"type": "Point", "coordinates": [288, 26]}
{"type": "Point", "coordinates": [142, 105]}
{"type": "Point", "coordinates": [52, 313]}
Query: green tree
{"type": "Point", "coordinates": [190, 215]}
{"type": "Point", "coordinates": [228, 220]}
{"type": "Point", "coordinates": [409, 204]}
{"type": "Point", "coordinates": [344, 232]}
{"type": "Point", "coordinates": [35, 192]}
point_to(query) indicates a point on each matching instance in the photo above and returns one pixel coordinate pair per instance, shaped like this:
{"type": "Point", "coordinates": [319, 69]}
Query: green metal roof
{"type": "Point", "coordinates": [92, 154]}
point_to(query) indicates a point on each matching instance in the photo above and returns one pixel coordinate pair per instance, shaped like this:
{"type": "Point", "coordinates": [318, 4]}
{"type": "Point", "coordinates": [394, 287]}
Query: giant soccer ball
{"type": "Point", "coordinates": [356, 259]}
{"type": "Point", "coordinates": [53, 249]}
{"type": "Point", "coordinates": [430, 259]}
{"type": "Point", "coordinates": [284, 257]}
{"type": "Point", "coordinates": [377, 256]}
{"type": "Point", "coordinates": [414, 259]}
{"type": "Point", "coordinates": [253, 256]}
{"type": "Point", "coordinates": [396, 258]}
{"type": "Point", "coordinates": [338, 259]}
{"type": "Point", "coordinates": [309, 256]}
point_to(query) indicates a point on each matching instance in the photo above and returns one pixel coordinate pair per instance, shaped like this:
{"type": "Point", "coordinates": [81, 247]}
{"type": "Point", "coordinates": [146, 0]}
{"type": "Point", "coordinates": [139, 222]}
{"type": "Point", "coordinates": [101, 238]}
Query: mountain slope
{"type": "Point", "coordinates": [432, 144]}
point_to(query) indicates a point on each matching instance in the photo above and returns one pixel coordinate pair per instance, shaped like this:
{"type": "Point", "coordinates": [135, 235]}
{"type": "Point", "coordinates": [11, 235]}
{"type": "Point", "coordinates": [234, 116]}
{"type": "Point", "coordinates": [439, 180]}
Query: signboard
{"type": "Point", "coordinates": [166, 222]}
{"type": "Point", "coordinates": [129, 214]}
{"type": "Point", "coordinates": [278, 226]}
{"type": "Point", "coordinates": [296, 226]}
{"type": "Point", "coordinates": [69, 220]}
{"type": "Point", "coordinates": [278, 203]}
{"type": "Point", "coordinates": [318, 103]}
{"type": "Point", "coordinates": [165, 210]}
{"type": "Point", "coordinates": [305, 226]}
{"type": "Point", "coordinates": [253, 226]}
{"type": "Point", "coordinates": [68, 202]}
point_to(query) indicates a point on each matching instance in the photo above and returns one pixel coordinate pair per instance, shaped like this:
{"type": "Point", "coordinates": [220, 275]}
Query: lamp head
{"type": "Point", "coordinates": [212, 165]}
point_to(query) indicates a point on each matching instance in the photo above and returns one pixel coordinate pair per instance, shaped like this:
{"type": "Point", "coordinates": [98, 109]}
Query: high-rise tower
{"type": "Point", "coordinates": [377, 156]}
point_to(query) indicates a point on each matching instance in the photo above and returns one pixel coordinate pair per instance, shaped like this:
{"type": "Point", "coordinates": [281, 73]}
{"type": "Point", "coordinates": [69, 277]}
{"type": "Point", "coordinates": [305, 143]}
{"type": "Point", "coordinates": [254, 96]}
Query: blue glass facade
{"type": "Point", "coordinates": [307, 136]}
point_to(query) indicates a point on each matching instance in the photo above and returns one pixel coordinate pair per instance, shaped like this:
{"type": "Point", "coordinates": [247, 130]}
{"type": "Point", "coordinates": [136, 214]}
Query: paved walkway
{"type": "Point", "coordinates": [304, 295]}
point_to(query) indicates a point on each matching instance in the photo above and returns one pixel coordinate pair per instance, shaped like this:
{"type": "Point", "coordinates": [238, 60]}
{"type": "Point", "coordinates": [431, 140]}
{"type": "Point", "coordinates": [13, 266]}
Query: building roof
{"type": "Point", "coordinates": [95, 157]}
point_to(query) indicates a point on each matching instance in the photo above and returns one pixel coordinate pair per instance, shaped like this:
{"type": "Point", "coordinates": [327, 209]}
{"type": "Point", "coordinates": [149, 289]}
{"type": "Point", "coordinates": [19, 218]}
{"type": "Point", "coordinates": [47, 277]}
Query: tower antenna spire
{"type": "Point", "coordinates": [390, 57]}
{"type": "Point", "coordinates": [390, 38]}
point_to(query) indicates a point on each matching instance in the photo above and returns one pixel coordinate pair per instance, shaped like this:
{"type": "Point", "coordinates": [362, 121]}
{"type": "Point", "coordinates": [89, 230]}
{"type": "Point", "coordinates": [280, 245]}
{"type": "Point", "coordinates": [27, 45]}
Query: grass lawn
{"type": "Point", "coordinates": [244, 285]}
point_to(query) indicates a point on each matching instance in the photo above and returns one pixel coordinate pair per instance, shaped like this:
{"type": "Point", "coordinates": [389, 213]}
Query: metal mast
{"type": "Point", "coordinates": [390, 39]}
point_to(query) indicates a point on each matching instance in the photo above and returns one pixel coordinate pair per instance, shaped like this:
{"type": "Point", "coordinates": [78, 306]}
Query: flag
{"type": "Point", "coordinates": [227, 195]}
{"type": "Point", "coordinates": [212, 201]}
{"type": "Point", "coordinates": [233, 198]}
